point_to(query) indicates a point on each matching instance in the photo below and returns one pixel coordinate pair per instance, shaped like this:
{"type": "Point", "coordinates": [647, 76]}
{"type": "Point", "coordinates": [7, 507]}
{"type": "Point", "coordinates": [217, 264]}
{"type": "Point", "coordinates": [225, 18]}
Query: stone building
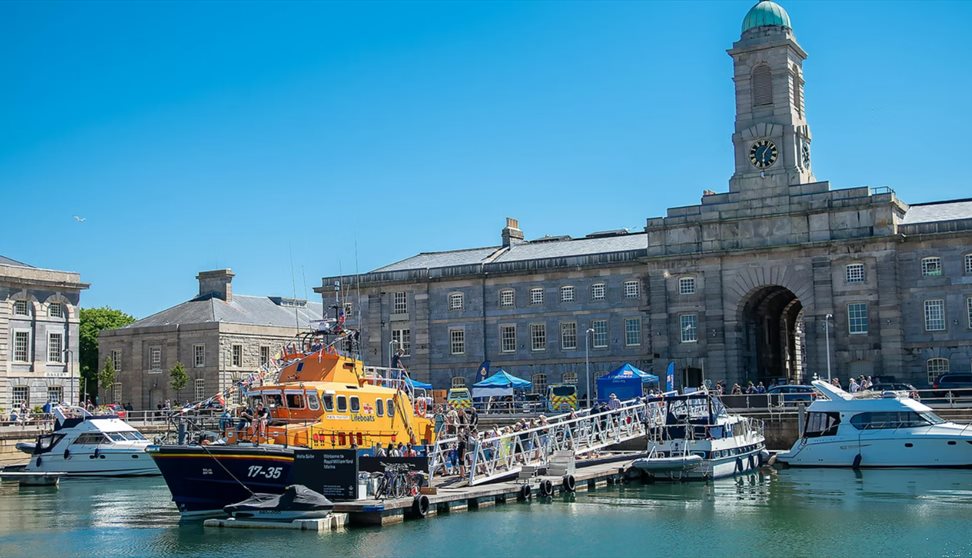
{"type": "Point", "coordinates": [781, 277]}
{"type": "Point", "coordinates": [218, 336]}
{"type": "Point", "coordinates": [38, 334]}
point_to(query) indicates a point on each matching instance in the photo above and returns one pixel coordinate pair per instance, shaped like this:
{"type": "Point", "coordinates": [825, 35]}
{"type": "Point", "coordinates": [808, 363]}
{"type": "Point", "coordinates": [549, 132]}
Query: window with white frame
{"type": "Point", "coordinates": [968, 307]}
{"type": "Point", "coordinates": [508, 338]}
{"type": "Point", "coordinates": [55, 394]}
{"type": "Point", "coordinates": [200, 389]}
{"type": "Point", "coordinates": [199, 356]}
{"type": "Point", "coordinates": [538, 337]}
{"type": "Point", "coordinates": [539, 383]}
{"type": "Point", "coordinates": [600, 335]}
{"type": "Point", "coordinates": [457, 341]}
{"type": "Point", "coordinates": [568, 335]}
{"type": "Point", "coordinates": [403, 340]}
{"type": "Point", "coordinates": [20, 394]}
{"type": "Point", "coordinates": [689, 326]}
{"type": "Point", "coordinates": [455, 301]}
{"type": "Point", "coordinates": [507, 298]}
{"type": "Point", "coordinates": [264, 355]}
{"type": "Point", "coordinates": [156, 358]}
{"type": "Point", "coordinates": [55, 310]}
{"type": "Point", "coordinates": [458, 381]}
{"type": "Point", "coordinates": [857, 318]}
{"type": "Point", "coordinates": [686, 285]}
{"type": "Point", "coordinates": [21, 351]}
{"type": "Point", "coordinates": [632, 289]}
{"type": "Point", "coordinates": [968, 263]}
{"type": "Point", "coordinates": [854, 273]}
{"type": "Point", "coordinates": [567, 293]}
{"type": "Point", "coordinates": [935, 368]}
{"type": "Point", "coordinates": [116, 359]}
{"type": "Point", "coordinates": [935, 315]}
{"type": "Point", "coordinates": [597, 291]}
{"type": "Point", "coordinates": [569, 378]}
{"type": "Point", "coordinates": [116, 392]}
{"type": "Point", "coordinates": [536, 296]}
{"type": "Point", "coordinates": [931, 267]}
{"type": "Point", "coordinates": [401, 303]}
{"type": "Point", "coordinates": [632, 331]}
{"type": "Point", "coordinates": [55, 347]}
{"type": "Point", "coordinates": [237, 355]}
{"type": "Point", "coordinates": [21, 308]}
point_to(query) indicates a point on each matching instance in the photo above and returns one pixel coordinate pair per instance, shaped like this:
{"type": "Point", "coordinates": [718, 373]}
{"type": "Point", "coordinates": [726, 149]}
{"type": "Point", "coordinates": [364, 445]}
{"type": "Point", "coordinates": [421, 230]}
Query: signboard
{"type": "Point", "coordinates": [369, 464]}
{"type": "Point", "coordinates": [333, 473]}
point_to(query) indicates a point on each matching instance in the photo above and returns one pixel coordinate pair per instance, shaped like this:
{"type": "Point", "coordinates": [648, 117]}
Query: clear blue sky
{"type": "Point", "coordinates": [195, 136]}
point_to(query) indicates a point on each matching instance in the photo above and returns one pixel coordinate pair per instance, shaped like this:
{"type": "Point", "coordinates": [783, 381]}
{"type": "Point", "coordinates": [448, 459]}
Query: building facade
{"type": "Point", "coordinates": [38, 335]}
{"type": "Point", "coordinates": [781, 277]}
{"type": "Point", "coordinates": [219, 337]}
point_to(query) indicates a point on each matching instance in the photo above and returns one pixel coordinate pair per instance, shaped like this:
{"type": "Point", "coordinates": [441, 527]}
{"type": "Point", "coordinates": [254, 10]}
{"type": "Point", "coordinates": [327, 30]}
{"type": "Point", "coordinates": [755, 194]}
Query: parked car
{"type": "Point", "coordinates": [953, 385]}
{"type": "Point", "coordinates": [896, 386]}
{"type": "Point", "coordinates": [791, 394]}
{"type": "Point", "coordinates": [117, 409]}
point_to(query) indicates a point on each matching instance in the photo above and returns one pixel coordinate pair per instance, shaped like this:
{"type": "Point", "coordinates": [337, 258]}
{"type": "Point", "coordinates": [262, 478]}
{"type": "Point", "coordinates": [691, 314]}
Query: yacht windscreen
{"type": "Point", "coordinates": [116, 436]}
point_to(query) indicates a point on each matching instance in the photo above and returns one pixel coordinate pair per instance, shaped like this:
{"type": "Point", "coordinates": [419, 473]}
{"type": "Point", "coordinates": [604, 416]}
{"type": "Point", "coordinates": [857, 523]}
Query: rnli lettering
{"type": "Point", "coordinates": [362, 418]}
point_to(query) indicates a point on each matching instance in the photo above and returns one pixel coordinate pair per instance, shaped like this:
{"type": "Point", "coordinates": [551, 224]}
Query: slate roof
{"type": "Point", "coordinates": [531, 250]}
{"type": "Point", "coordinates": [939, 211]}
{"type": "Point", "coordinates": [7, 261]}
{"type": "Point", "coordinates": [242, 309]}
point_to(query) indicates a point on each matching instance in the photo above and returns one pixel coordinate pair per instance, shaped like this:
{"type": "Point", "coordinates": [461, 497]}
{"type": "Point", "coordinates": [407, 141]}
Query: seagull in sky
{"type": "Point", "coordinates": [79, 219]}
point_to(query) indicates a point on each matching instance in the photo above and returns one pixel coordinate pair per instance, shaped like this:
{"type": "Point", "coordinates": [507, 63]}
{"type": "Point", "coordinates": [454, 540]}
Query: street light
{"type": "Point", "coordinates": [587, 361]}
{"type": "Point", "coordinates": [70, 357]}
{"type": "Point", "coordinates": [827, 319]}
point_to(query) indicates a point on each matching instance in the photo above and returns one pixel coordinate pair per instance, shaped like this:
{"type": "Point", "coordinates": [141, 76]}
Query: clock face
{"type": "Point", "coordinates": [763, 154]}
{"type": "Point", "coordinates": [805, 154]}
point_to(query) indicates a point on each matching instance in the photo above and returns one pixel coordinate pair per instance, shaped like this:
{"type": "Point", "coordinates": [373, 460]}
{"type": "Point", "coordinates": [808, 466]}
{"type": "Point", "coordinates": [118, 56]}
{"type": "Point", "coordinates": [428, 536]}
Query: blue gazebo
{"type": "Point", "coordinates": [626, 382]}
{"type": "Point", "coordinates": [500, 383]}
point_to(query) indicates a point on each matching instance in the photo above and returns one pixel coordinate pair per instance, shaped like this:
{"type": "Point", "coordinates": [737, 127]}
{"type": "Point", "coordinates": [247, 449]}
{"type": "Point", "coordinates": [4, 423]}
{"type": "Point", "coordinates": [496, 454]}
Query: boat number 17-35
{"type": "Point", "coordinates": [265, 472]}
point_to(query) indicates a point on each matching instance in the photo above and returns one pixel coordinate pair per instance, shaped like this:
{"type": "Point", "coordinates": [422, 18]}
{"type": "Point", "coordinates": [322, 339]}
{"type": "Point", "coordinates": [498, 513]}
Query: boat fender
{"type": "Point", "coordinates": [739, 465]}
{"type": "Point", "coordinates": [38, 461]}
{"type": "Point", "coordinates": [570, 483]}
{"type": "Point", "coordinates": [546, 488]}
{"type": "Point", "coordinates": [67, 453]}
{"type": "Point", "coordinates": [857, 461]}
{"type": "Point", "coordinates": [97, 452]}
{"type": "Point", "coordinates": [752, 462]}
{"type": "Point", "coordinates": [772, 460]}
{"type": "Point", "coordinates": [525, 492]}
{"type": "Point", "coordinates": [420, 505]}
{"type": "Point", "coordinates": [764, 457]}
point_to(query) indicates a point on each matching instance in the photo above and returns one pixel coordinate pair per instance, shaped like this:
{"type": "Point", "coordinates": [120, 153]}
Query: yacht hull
{"type": "Point", "coordinates": [132, 462]}
{"type": "Point", "coordinates": [897, 450]}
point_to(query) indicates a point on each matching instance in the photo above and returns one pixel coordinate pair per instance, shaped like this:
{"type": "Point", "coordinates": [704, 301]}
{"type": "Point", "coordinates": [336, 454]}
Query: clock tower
{"type": "Point", "coordinates": [771, 139]}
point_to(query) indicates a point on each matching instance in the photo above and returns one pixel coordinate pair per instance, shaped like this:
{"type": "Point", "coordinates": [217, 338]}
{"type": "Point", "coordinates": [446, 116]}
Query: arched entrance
{"type": "Point", "coordinates": [773, 336]}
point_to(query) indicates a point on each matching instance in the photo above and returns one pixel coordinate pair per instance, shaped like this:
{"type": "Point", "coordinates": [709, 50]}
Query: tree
{"type": "Point", "coordinates": [93, 322]}
{"type": "Point", "coordinates": [106, 377]}
{"type": "Point", "coordinates": [178, 378]}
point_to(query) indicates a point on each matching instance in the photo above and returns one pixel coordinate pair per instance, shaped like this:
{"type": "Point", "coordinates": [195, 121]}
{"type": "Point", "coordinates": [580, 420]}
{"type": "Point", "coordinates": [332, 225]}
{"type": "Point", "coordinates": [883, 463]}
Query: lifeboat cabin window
{"type": "Point", "coordinates": [328, 401]}
{"type": "Point", "coordinates": [893, 419]}
{"type": "Point", "coordinates": [380, 407]}
{"type": "Point", "coordinates": [342, 404]}
{"type": "Point", "coordinates": [821, 424]}
{"type": "Point", "coordinates": [274, 400]}
{"type": "Point", "coordinates": [295, 401]}
{"type": "Point", "coordinates": [312, 402]}
{"type": "Point", "coordinates": [355, 404]}
{"type": "Point", "coordinates": [391, 408]}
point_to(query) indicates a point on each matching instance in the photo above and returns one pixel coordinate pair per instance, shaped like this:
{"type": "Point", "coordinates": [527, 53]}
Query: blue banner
{"type": "Point", "coordinates": [483, 371]}
{"type": "Point", "coordinates": [670, 377]}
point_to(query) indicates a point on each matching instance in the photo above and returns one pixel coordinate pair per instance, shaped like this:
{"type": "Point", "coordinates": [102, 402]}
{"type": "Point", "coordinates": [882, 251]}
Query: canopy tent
{"type": "Point", "coordinates": [500, 383]}
{"type": "Point", "coordinates": [417, 384]}
{"type": "Point", "coordinates": [626, 382]}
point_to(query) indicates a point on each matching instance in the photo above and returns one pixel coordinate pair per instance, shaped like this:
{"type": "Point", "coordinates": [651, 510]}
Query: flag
{"type": "Point", "coordinates": [670, 377]}
{"type": "Point", "coordinates": [483, 371]}
{"type": "Point", "coordinates": [341, 317]}
{"type": "Point", "coordinates": [220, 400]}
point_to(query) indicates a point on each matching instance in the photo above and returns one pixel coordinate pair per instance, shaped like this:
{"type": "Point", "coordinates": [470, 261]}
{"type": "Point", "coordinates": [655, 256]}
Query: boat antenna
{"type": "Point", "coordinates": [293, 281]}
{"type": "Point", "coordinates": [357, 286]}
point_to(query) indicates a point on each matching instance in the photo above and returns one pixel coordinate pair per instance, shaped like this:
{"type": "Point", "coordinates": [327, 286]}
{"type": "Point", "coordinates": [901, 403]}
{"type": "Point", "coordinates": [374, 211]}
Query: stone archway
{"type": "Point", "coordinates": [773, 338]}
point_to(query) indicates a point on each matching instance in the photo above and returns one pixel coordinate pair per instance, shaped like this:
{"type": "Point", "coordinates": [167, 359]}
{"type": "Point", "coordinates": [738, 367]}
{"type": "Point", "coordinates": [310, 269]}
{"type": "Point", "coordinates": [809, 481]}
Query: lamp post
{"type": "Point", "coordinates": [587, 361]}
{"type": "Point", "coordinates": [827, 319]}
{"type": "Point", "coordinates": [70, 358]}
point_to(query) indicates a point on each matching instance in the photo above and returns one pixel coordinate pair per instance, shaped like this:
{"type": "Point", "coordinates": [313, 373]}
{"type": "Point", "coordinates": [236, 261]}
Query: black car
{"type": "Point", "coordinates": [953, 384]}
{"type": "Point", "coordinates": [791, 394]}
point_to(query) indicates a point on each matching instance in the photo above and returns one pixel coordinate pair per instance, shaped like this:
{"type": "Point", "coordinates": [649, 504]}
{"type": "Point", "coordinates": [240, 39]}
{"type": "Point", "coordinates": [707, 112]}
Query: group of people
{"type": "Point", "coordinates": [854, 385]}
{"type": "Point", "coordinates": [401, 450]}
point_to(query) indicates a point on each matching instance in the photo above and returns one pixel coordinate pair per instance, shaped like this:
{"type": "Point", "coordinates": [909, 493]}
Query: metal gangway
{"type": "Point", "coordinates": [496, 457]}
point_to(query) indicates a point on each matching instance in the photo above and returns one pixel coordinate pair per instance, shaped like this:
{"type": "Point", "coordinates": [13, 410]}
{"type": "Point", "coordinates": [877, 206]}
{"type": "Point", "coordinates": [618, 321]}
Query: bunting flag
{"type": "Point", "coordinates": [483, 371]}
{"type": "Point", "coordinates": [670, 377]}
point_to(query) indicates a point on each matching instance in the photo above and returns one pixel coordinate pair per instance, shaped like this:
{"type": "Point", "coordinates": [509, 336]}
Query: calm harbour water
{"type": "Point", "coordinates": [785, 513]}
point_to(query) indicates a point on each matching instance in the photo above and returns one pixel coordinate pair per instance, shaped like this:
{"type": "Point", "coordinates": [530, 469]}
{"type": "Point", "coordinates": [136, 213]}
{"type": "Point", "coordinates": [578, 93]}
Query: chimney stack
{"type": "Point", "coordinates": [217, 283]}
{"type": "Point", "coordinates": [512, 233]}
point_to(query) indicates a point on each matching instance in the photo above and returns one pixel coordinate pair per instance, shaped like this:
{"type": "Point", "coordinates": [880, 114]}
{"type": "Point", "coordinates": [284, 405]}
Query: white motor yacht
{"type": "Point", "coordinates": [83, 444]}
{"type": "Point", "coordinates": [693, 437]}
{"type": "Point", "coordinates": [876, 430]}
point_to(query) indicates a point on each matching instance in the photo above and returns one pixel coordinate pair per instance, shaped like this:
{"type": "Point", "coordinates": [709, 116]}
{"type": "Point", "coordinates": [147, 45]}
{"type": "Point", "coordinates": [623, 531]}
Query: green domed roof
{"type": "Point", "coordinates": [765, 12]}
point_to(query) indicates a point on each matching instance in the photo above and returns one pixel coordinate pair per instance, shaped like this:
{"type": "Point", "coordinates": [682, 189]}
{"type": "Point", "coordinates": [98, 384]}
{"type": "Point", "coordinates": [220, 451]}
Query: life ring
{"type": "Point", "coordinates": [420, 505]}
{"type": "Point", "coordinates": [525, 492]}
{"type": "Point", "coordinates": [546, 488]}
{"type": "Point", "coordinates": [421, 407]}
{"type": "Point", "coordinates": [569, 483]}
